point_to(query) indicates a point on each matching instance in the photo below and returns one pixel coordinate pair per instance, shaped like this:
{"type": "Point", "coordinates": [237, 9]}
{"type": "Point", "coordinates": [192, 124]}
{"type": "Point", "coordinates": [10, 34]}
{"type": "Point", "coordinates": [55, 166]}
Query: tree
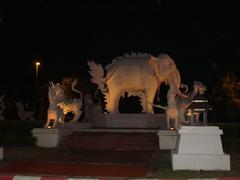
{"type": "Point", "coordinates": [225, 95]}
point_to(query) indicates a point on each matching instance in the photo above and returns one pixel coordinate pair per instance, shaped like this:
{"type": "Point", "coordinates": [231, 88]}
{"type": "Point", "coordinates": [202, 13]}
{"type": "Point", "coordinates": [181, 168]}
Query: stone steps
{"type": "Point", "coordinates": [114, 141]}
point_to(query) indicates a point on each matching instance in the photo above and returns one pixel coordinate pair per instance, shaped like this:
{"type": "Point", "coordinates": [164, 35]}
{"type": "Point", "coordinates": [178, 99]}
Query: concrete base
{"type": "Point", "coordinates": [167, 139]}
{"type": "Point", "coordinates": [76, 126]}
{"type": "Point", "coordinates": [1, 153]}
{"type": "Point", "coordinates": [49, 138]}
{"type": "Point", "coordinates": [145, 121]}
{"type": "Point", "coordinates": [201, 162]}
{"type": "Point", "coordinates": [200, 148]}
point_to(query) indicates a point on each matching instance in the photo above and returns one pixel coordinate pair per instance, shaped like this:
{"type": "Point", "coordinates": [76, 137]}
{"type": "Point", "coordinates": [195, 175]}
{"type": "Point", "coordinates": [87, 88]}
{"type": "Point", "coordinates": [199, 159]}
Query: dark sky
{"type": "Point", "coordinates": [199, 35]}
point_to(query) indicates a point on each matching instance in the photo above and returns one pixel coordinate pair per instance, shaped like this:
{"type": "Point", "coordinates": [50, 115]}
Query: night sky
{"type": "Point", "coordinates": [201, 36]}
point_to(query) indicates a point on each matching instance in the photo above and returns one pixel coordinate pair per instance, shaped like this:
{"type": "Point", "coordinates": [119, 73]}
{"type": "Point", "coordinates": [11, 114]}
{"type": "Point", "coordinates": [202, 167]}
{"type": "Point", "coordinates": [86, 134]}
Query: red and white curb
{"type": "Point", "coordinates": [20, 177]}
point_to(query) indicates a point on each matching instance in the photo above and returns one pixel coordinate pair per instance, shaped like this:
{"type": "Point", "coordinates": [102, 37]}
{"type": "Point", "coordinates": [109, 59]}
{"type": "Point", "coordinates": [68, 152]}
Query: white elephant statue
{"type": "Point", "coordinates": [134, 73]}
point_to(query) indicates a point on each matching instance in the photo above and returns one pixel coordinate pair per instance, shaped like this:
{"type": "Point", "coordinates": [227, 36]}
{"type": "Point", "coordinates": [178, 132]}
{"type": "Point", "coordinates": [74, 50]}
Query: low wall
{"type": "Point", "coordinates": [157, 121]}
{"type": "Point", "coordinates": [167, 139]}
{"type": "Point", "coordinates": [49, 138]}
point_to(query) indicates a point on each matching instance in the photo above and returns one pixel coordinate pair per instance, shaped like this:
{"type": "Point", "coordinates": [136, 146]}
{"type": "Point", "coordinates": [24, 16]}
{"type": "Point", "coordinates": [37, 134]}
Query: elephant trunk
{"type": "Point", "coordinates": [184, 86]}
{"type": "Point", "coordinates": [179, 93]}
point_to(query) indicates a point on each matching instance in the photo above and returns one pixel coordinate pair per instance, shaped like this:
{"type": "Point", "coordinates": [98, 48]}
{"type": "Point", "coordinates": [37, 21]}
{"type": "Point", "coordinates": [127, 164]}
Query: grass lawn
{"type": "Point", "coordinates": [163, 168]}
{"type": "Point", "coordinates": [231, 146]}
{"type": "Point", "coordinates": [15, 153]}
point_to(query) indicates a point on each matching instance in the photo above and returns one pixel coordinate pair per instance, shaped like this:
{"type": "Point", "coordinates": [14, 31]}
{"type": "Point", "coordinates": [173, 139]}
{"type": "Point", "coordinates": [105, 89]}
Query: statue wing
{"type": "Point", "coordinates": [97, 73]}
{"type": "Point", "coordinates": [96, 70]}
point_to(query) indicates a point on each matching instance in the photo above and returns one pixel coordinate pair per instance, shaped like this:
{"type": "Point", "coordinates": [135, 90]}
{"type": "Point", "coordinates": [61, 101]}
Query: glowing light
{"type": "Point", "coordinates": [199, 109]}
{"type": "Point", "coordinates": [199, 100]}
{"type": "Point", "coordinates": [37, 64]}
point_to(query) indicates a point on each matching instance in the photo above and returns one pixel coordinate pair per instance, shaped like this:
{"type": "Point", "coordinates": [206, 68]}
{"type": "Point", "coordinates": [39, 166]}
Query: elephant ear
{"type": "Point", "coordinates": [175, 78]}
{"type": "Point", "coordinates": [153, 61]}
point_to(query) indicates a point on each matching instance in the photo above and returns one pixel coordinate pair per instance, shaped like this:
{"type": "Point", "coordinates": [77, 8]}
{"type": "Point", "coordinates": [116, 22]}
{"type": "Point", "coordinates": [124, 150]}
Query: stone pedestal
{"type": "Point", "coordinates": [200, 148]}
{"type": "Point", "coordinates": [115, 120]}
{"type": "Point", "coordinates": [1, 153]}
{"type": "Point", "coordinates": [167, 139]}
{"type": "Point", "coordinates": [49, 138]}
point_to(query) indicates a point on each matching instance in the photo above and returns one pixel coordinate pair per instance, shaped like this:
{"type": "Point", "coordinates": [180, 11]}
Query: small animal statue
{"type": "Point", "coordinates": [59, 106]}
{"type": "Point", "coordinates": [171, 108]}
{"type": "Point", "coordinates": [55, 112]}
{"type": "Point", "coordinates": [172, 111]}
{"type": "Point", "coordinates": [183, 102]}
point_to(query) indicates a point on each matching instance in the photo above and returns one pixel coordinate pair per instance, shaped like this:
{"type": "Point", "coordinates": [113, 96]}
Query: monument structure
{"type": "Point", "coordinates": [141, 75]}
{"type": "Point", "coordinates": [135, 73]}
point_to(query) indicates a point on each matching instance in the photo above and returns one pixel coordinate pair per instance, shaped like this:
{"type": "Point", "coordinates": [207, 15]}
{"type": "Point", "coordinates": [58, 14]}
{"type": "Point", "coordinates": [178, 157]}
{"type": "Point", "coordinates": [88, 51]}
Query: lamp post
{"type": "Point", "coordinates": [37, 64]}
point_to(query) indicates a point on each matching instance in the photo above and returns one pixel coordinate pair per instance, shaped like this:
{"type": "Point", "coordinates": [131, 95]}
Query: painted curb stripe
{"type": "Point", "coordinates": [53, 178]}
{"type": "Point", "coordinates": [20, 177]}
{"type": "Point", "coordinates": [6, 177]}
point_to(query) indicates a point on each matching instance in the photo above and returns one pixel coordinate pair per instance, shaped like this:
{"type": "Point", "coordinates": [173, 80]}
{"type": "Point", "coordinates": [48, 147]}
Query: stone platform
{"type": "Point", "coordinates": [157, 121]}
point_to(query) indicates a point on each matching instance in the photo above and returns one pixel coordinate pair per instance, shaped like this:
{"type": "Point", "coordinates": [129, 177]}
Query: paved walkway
{"type": "Point", "coordinates": [84, 164]}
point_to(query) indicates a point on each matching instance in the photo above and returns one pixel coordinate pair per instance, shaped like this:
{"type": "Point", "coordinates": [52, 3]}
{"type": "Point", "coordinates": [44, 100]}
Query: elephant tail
{"type": "Point", "coordinates": [97, 73]}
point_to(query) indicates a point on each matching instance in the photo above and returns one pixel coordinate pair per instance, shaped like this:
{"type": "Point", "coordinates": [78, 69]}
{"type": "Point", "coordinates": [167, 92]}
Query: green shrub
{"type": "Point", "coordinates": [18, 127]}
{"type": "Point", "coordinates": [18, 132]}
{"type": "Point", "coordinates": [230, 130]}
{"type": "Point", "coordinates": [8, 140]}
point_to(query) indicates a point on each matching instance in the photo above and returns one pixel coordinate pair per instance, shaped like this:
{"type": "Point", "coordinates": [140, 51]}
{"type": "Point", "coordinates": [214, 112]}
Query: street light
{"type": "Point", "coordinates": [37, 64]}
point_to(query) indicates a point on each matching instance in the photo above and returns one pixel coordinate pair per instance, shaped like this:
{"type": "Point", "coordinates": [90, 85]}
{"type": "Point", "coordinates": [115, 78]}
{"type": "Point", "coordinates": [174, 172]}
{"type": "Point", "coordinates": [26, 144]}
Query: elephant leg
{"type": "Point", "coordinates": [149, 93]}
{"type": "Point", "coordinates": [114, 96]}
{"type": "Point", "coordinates": [176, 123]}
{"type": "Point", "coordinates": [168, 123]}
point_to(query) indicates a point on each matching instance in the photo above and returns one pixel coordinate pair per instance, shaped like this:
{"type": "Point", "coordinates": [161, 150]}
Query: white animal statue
{"type": "Point", "coordinates": [134, 73]}
{"type": "Point", "coordinates": [171, 108]}
{"type": "Point", "coordinates": [55, 113]}
{"type": "Point", "coordinates": [59, 106]}
{"type": "Point", "coordinates": [2, 107]}
{"type": "Point", "coordinates": [183, 102]}
{"type": "Point", "coordinates": [73, 105]}
{"type": "Point", "coordinates": [23, 113]}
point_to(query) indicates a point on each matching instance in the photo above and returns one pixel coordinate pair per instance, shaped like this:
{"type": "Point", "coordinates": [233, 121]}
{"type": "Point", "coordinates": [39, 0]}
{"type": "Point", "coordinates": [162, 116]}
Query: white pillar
{"type": "Point", "coordinates": [200, 148]}
{"type": "Point", "coordinates": [48, 138]}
